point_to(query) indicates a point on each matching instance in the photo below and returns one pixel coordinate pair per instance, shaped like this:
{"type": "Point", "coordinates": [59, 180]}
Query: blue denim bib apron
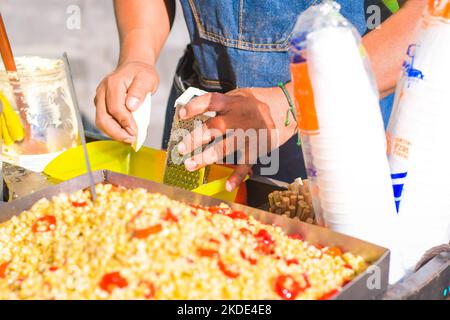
{"type": "Point", "coordinates": [243, 43]}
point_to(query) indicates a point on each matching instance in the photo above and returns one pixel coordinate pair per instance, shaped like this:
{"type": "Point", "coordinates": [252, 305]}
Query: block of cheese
{"type": "Point", "coordinates": [142, 118]}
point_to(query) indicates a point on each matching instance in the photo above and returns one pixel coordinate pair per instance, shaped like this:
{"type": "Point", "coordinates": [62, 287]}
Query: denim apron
{"type": "Point", "coordinates": [243, 43]}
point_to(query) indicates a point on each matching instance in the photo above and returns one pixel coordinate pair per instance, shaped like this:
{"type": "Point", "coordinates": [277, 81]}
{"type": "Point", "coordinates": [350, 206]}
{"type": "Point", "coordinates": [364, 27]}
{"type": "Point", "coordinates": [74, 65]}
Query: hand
{"type": "Point", "coordinates": [250, 108]}
{"type": "Point", "coordinates": [120, 93]}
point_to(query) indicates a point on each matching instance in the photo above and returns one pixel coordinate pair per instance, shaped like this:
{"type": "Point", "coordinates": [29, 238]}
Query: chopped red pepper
{"type": "Point", "coordinates": [296, 237]}
{"type": "Point", "coordinates": [113, 280]}
{"type": "Point", "coordinates": [79, 204]}
{"type": "Point", "coordinates": [53, 268]}
{"type": "Point", "coordinates": [329, 295]}
{"type": "Point", "coordinates": [149, 289]}
{"type": "Point", "coordinates": [237, 215]}
{"type": "Point", "coordinates": [287, 287]}
{"type": "Point", "coordinates": [170, 216]}
{"type": "Point", "coordinates": [209, 253]}
{"type": "Point", "coordinates": [144, 233]}
{"type": "Point", "coordinates": [334, 252]}
{"type": "Point", "coordinates": [251, 260]}
{"type": "Point", "coordinates": [44, 224]}
{"type": "Point", "coordinates": [214, 240]}
{"type": "Point", "coordinates": [226, 270]}
{"type": "Point", "coordinates": [3, 268]}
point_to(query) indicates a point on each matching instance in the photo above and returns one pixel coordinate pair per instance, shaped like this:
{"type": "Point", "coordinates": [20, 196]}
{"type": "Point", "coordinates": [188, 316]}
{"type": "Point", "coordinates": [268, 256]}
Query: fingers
{"type": "Point", "coordinates": [238, 176]}
{"type": "Point", "coordinates": [115, 102]}
{"type": "Point", "coordinates": [207, 102]}
{"type": "Point", "coordinates": [143, 83]}
{"type": "Point", "coordinates": [106, 122]}
{"type": "Point", "coordinates": [210, 130]}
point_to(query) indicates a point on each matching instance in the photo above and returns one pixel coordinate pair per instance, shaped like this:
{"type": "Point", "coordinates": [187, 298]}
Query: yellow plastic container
{"type": "Point", "coordinates": [147, 164]}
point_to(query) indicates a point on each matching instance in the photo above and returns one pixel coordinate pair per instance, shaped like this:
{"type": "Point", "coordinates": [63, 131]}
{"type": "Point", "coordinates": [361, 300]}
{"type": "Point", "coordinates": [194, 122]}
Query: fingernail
{"type": "Point", "coordinates": [190, 164]}
{"type": "Point", "coordinates": [132, 103]}
{"type": "Point", "coordinates": [130, 130]}
{"type": "Point", "coordinates": [129, 140]}
{"type": "Point", "coordinates": [182, 113]}
{"type": "Point", "coordinates": [181, 148]}
{"type": "Point", "coordinates": [230, 186]}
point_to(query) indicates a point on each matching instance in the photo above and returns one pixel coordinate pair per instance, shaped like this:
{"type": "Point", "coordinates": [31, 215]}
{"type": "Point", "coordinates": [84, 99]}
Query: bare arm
{"type": "Point", "coordinates": [144, 26]}
{"type": "Point", "coordinates": [387, 45]}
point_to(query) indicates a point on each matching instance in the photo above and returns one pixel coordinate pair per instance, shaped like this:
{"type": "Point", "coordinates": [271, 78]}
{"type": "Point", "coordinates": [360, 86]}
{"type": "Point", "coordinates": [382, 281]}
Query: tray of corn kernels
{"type": "Point", "coordinates": [143, 240]}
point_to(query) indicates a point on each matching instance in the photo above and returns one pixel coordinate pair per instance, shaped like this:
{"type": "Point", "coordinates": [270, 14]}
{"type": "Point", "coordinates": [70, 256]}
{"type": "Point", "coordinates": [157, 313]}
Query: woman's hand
{"type": "Point", "coordinates": [249, 120]}
{"type": "Point", "coordinates": [119, 94]}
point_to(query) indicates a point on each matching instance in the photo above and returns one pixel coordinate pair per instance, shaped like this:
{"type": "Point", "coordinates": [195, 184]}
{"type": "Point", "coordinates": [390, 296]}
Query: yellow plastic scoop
{"type": "Point", "coordinates": [147, 164]}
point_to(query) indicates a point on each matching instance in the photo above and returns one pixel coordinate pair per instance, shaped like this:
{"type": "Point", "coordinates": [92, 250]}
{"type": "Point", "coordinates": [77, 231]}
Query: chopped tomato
{"type": "Point", "coordinates": [266, 245]}
{"type": "Point", "coordinates": [346, 281]}
{"type": "Point", "coordinates": [347, 266]}
{"type": "Point", "coordinates": [329, 295]}
{"type": "Point", "coordinates": [237, 215]}
{"type": "Point", "coordinates": [296, 237]}
{"type": "Point", "coordinates": [226, 236]}
{"type": "Point", "coordinates": [170, 216]}
{"type": "Point", "coordinates": [214, 240]}
{"type": "Point", "coordinates": [194, 213]}
{"type": "Point", "coordinates": [245, 231]}
{"type": "Point", "coordinates": [53, 268]}
{"type": "Point", "coordinates": [264, 235]}
{"type": "Point", "coordinates": [196, 206]}
{"type": "Point", "coordinates": [144, 233]}
{"type": "Point", "coordinates": [149, 289]}
{"type": "Point", "coordinates": [233, 274]}
{"type": "Point", "coordinates": [287, 287]}
{"type": "Point", "coordinates": [210, 253]}
{"type": "Point", "coordinates": [334, 252]}
{"type": "Point", "coordinates": [251, 260]}
{"type": "Point", "coordinates": [44, 224]}
{"type": "Point", "coordinates": [79, 204]}
{"type": "Point", "coordinates": [291, 261]}
{"type": "Point", "coordinates": [3, 268]}
{"type": "Point", "coordinates": [318, 246]}
{"type": "Point", "coordinates": [217, 210]}
{"type": "Point", "coordinates": [113, 280]}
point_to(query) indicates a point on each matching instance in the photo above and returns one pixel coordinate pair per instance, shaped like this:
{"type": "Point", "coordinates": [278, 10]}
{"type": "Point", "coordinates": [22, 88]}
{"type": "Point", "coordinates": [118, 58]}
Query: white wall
{"type": "Point", "coordinates": [39, 27]}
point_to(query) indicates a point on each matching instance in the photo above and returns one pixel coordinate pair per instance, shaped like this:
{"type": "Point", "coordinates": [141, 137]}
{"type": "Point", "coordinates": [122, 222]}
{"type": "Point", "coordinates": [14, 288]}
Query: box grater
{"type": "Point", "coordinates": [175, 173]}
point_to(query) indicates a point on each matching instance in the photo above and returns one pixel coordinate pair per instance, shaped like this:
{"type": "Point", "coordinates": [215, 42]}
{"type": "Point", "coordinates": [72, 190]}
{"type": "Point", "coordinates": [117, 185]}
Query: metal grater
{"type": "Point", "coordinates": [175, 173]}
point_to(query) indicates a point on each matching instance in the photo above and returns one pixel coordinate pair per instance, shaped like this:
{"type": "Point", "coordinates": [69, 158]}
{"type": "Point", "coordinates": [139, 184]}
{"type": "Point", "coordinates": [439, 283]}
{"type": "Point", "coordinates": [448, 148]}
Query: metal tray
{"type": "Point", "coordinates": [368, 285]}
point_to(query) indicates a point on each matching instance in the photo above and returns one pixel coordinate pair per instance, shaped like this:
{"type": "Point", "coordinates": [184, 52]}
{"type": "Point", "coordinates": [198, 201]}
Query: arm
{"type": "Point", "coordinates": [387, 45]}
{"type": "Point", "coordinates": [143, 28]}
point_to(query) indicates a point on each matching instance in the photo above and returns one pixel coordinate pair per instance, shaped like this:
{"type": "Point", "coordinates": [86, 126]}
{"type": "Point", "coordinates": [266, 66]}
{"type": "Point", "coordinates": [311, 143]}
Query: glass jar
{"type": "Point", "coordinates": [41, 122]}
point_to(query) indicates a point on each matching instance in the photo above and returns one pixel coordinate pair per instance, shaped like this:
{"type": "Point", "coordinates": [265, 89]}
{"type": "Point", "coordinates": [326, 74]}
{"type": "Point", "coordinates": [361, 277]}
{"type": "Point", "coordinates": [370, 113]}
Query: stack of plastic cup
{"type": "Point", "coordinates": [349, 152]}
{"type": "Point", "coordinates": [344, 137]}
{"type": "Point", "coordinates": [418, 131]}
